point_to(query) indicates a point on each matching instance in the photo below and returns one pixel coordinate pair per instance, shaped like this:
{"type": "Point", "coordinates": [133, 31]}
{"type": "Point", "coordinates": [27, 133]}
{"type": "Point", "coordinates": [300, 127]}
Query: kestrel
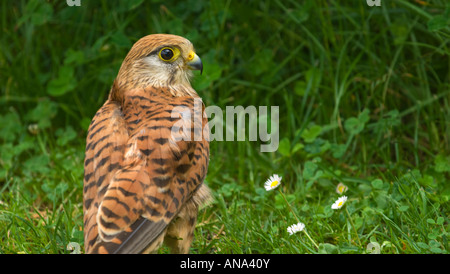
{"type": "Point", "coordinates": [145, 161]}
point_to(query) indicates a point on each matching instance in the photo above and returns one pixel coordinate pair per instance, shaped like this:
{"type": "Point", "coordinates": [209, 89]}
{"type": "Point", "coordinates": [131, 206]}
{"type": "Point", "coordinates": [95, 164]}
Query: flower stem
{"type": "Point", "coordinates": [353, 225]}
{"type": "Point", "coordinates": [290, 208]}
{"type": "Point", "coordinates": [298, 221]}
{"type": "Point", "coordinates": [311, 239]}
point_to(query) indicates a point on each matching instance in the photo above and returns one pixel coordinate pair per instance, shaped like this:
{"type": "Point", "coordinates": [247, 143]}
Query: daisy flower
{"type": "Point", "coordinates": [341, 188]}
{"type": "Point", "coordinates": [273, 182]}
{"type": "Point", "coordinates": [295, 228]}
{"type": "Point", "coordinates": [339, 203]}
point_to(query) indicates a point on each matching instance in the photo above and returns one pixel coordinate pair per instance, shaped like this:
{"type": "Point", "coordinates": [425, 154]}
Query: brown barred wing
{"type": "Point", "coordinates": [164, 164]}
{"type": "Point", "coordinates": [105, 145]}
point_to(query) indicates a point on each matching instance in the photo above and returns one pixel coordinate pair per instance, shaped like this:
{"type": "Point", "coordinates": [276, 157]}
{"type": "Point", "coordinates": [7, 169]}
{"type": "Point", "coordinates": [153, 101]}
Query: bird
{"type": "Point", "coordinates": [146, 156]}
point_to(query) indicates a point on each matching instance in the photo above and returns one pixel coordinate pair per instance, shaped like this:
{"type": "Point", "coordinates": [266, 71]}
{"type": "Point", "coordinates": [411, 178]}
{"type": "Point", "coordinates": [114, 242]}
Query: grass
{"type": "Point", "coordinates": [364, 100]}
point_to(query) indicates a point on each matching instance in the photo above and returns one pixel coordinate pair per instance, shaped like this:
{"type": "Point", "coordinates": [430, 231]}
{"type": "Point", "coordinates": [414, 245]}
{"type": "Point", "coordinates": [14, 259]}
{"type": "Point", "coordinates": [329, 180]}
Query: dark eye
{"type": "Point", "coordinates": [166, 54]}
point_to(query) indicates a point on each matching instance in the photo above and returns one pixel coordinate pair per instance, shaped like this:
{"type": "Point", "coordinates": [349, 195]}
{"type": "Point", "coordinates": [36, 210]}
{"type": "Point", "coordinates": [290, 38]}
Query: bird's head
{"type": "Point", "coordinates": [159, 60]}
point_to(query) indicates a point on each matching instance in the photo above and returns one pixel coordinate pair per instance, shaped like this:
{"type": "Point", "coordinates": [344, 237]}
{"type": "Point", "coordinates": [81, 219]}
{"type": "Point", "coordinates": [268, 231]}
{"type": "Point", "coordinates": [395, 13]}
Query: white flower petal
{"type": "Point", "coordinates": [295, 228]}
{"type": "Point", "coordinates": [273, 182]}
{"type": "Point", "coordinates": [341, 188]}
{"type": "Point", "coordinates": [339, 202]}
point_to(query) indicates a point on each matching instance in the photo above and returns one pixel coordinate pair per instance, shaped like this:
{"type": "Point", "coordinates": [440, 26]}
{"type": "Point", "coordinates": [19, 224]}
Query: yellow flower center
{"type": "Point", "coordinates": [274, 183]}
{"type": "Point", "coordinates": [340, 204]}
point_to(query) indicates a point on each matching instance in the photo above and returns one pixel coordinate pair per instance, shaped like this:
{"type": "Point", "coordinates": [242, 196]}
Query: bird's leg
{"type": "Point", "coordinates": [180, 233]}
{"type": "Point", "coordinates": [156, 244]}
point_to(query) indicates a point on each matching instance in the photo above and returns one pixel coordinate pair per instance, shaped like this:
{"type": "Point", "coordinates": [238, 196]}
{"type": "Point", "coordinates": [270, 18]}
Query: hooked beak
{"type": "Point", "coordinates": [195, 63]}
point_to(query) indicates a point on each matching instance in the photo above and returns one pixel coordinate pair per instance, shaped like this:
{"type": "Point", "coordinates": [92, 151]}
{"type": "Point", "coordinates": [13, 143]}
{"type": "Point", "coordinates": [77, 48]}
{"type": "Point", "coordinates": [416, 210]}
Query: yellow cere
{"type": "Point", "coordinates": [190, 56]}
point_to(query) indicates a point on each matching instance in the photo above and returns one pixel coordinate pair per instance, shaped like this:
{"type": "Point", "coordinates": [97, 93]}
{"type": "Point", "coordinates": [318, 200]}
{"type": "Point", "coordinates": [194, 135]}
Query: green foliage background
{"type": "Point", "coordinates": [364, 99]}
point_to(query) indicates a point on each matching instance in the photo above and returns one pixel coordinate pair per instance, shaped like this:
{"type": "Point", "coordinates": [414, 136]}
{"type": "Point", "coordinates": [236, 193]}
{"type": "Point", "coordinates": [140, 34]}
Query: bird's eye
{"type": "Point", "coordinates": [166, 54]}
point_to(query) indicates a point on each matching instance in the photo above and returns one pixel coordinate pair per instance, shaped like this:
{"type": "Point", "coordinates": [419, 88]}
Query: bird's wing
{"type": "Point", "coordinates": [105, 145]}
{"type": "Point", "coordinates": [157, 174]}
